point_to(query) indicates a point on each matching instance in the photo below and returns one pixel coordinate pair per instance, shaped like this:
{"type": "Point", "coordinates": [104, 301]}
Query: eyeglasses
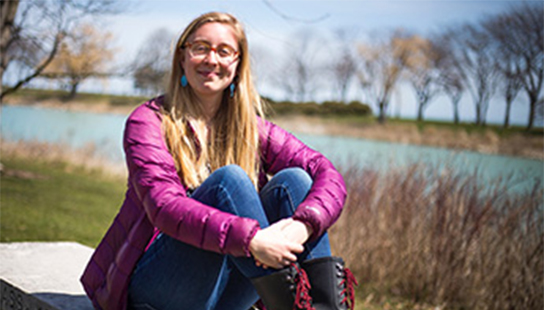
{"type": "Point", "coordinates": [226, 54]}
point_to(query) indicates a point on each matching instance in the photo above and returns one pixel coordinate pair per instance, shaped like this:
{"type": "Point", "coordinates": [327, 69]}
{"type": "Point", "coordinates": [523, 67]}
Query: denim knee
{"type": "Point", "coordinates": [230, 172]}
{"type": "Point", "coordinates": [296, 175]}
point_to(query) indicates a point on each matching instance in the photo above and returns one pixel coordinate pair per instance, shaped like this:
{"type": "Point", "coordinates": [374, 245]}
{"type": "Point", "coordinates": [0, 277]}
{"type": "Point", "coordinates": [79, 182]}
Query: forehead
{"type": "Point", "coordinates": [216, 33]}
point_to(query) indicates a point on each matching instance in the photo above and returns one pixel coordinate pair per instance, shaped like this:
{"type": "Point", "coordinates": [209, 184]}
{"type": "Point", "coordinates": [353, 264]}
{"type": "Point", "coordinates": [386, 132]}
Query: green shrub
{"type": "Point", "coordinates": [327, 108]}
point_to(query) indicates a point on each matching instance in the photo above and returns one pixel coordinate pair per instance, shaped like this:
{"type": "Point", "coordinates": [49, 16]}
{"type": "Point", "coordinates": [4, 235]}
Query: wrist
{"type": "Point", "coordinates": [307, 227]}
{"type": "Point", "coordinates": [253, 243]}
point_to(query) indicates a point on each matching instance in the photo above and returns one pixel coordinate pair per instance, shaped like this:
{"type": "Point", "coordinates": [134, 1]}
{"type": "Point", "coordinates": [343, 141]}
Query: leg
{"type": "Point", "coordinates": [281, 197]}
{"type": "Point", "coordinates": [229, 189]}
{"type": "Point", "coordinates": [331, 283]}
{"type": "Point", "coordinates": [239, 293]}
{"type": "Point", "coordinates": [170, 274]}
{"type": "Point", "coordinates": [229, 192]}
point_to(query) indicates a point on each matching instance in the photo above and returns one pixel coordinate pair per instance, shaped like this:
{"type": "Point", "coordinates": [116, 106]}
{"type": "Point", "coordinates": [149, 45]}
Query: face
{"type": "Point", "coordinates": [208, 74]}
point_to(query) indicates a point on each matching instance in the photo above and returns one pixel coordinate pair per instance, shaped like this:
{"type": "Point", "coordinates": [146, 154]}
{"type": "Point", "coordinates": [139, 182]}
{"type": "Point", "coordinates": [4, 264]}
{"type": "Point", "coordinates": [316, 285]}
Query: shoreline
{"type": "Point", "coordinates": [486, 142]}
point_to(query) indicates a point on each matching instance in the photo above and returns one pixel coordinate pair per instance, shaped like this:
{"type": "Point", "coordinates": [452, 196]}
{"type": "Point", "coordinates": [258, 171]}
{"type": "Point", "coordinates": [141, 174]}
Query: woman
{"type": "Point", "coordinates": [202, 226]}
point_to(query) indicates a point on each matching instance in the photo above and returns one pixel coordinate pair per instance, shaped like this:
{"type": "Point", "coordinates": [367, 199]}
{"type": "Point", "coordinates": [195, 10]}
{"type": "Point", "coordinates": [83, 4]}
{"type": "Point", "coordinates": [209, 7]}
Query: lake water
{"type": "Point", "coordinates": [104, 131]}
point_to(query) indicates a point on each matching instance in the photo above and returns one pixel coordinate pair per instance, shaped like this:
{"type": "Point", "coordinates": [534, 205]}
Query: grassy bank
{"type": "Point", "coordinates": [41, 95]}
{"type": "Point", "coordinates": [52, 201]}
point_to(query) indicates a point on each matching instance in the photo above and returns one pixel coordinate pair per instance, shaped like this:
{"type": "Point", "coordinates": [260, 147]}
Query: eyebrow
{"type": "Point", "coordinates": [209, 43]}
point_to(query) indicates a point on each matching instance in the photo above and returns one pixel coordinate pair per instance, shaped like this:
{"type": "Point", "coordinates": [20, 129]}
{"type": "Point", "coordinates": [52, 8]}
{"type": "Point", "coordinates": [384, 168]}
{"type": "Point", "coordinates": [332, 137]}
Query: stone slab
{"type": "Point", "coordinates": [38, 275]}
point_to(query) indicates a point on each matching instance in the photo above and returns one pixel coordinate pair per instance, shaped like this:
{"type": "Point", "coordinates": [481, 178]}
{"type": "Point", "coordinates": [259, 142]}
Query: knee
{"type": "Point", "coordinates": [295, 176]}
{"type": "Point", "coordinates": [231, 173]}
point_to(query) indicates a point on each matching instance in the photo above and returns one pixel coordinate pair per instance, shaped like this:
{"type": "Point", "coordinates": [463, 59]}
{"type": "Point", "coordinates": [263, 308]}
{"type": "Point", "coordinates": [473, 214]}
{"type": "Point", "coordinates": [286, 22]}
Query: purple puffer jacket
{"type": "Point", "coordinates": [157, 201]}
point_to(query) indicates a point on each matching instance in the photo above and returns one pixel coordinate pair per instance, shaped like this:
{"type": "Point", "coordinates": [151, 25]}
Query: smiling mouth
{"type": "Point", "coordinates": [208, 74]}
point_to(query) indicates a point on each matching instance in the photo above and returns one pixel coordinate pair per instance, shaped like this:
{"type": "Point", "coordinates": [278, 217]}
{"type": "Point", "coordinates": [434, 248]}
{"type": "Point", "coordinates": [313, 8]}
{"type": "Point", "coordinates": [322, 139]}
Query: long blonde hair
{"type": "Point", "coordinates": [234, 136]}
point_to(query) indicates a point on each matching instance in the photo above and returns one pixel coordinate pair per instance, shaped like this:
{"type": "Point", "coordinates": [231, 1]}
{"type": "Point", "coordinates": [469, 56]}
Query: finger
{"type": "Point", "coordinates": [296, 248]}
{"type": "Point", "coordinates": [290, 258]}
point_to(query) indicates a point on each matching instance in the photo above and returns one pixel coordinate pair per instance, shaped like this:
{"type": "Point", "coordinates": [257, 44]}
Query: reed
{"type": "Point", "coordinates": [418, 233]}
{"type": "Point", "coordinates": [437, 237]}
{"type": "Point", "coordinates": [84, 158]}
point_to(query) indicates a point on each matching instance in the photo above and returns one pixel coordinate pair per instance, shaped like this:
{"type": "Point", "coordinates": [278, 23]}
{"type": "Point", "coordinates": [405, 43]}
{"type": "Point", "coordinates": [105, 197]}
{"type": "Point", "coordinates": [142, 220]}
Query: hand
{"type": "Point", "coordinates": [297, 231]}
{"type": "Point", "coordinates": [271, 248]}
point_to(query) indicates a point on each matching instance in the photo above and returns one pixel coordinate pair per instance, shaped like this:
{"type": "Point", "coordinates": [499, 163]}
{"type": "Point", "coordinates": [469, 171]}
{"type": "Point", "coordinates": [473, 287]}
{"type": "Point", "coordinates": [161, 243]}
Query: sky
{"type": "Point", "coordinates": [271, 24]}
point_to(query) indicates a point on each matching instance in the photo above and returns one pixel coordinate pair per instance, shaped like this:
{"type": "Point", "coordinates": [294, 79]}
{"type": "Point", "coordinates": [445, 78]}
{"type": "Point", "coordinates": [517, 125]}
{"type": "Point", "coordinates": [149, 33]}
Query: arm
{"type": "Point", "coordinates": [158, 187]}
{"type": "Point", "coordinates": [324, 203]}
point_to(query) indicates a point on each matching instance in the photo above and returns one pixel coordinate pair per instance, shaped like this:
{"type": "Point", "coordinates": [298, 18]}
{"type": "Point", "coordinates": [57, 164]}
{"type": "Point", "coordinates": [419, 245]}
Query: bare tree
{"type": "Point", "coordinates": [453, 88]}
{"type": "Point", "coordinates": [422, 70]}
{"type": "Point", "coordinates": [152, 64]}
{"type": "Point", "coordinates": [31, 39]}
{"type": "Point", "coordinates": [299, 74]}
{"type": "Point", "coordinates": [519, 34]}
{"type": "Point", "coordinates": [344, 64]}
{"type": "Point", "coordinates": [450, 74]}
{"type": "Point", "coordinates": [474, 50]}
{"type": "Point", "coordinates": [510, 83]}
{"type": "Point", "coordinates": [85, 53]}
{"type": "Point", "coordinates": [382, 62]}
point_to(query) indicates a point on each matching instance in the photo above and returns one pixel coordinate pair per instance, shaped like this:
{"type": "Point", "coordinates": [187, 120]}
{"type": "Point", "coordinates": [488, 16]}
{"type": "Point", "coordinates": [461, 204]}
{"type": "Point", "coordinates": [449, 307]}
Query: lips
{"type": "Point", "coordinates": [207, 73]}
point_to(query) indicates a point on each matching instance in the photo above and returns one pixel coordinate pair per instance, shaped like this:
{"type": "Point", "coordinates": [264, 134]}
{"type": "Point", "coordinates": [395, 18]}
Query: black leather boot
{"type": "Point", "coordinates": [287, 289]}
{"type": "Point", "coordinates": [332, 285]}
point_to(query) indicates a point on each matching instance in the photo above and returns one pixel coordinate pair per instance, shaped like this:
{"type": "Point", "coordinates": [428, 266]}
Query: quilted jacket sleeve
{"type": "Point", "coordinates": [324, 203]}
{"type": "Point", "coordinates": [157, 185]}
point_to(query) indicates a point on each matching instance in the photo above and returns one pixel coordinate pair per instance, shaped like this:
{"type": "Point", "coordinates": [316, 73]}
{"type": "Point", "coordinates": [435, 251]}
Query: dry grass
{"type": "Point", "coordinates": [435, 237]}
{"type": "Point", "coordinates": [83, 159]}
{"type": "Point", "coordinates": [427, 236]}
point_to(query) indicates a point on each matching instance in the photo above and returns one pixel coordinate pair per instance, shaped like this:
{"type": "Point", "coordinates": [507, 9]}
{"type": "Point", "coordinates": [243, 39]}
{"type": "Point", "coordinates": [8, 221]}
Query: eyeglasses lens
{"type": "Point", "coordinates": [224, 52]}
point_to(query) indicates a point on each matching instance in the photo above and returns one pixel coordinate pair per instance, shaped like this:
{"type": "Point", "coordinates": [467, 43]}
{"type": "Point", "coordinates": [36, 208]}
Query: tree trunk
{"type": "Point", "coordinates": [343, 92]}
{"type": "Point", "coordinates": [381, 115]}
{"type": "Point", "coordinates": [8, 11]}
{"type": "Point", "coordinates": [532, 106]}
{"type": "Point", "coordinates": [478, 120]}
{"type": "Point", "coordinates": [420, 109]}
{"type": "Point", "coordinates": [456, 112]}
{"type": "Point", "coordinates": [73, 90]}
{"type": "Point", "coordinates": [455, 97]}
{"type": "Point", "coordinates": [507, 114]}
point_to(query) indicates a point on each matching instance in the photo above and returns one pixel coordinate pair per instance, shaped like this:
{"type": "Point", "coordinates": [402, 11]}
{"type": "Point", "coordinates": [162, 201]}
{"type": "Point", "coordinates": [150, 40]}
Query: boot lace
{"type": "Point", "coordinates": [303, 300]}
{"type": "Point", "coordinates": [349, 282]}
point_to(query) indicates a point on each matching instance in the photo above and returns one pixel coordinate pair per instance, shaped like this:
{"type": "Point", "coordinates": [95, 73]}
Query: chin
{"type": "Point", "coordinates": [209, 91]}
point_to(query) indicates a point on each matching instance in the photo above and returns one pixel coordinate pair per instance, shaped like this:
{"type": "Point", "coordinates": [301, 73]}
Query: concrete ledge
{"type": "Point", "coordinates": [43, 275]}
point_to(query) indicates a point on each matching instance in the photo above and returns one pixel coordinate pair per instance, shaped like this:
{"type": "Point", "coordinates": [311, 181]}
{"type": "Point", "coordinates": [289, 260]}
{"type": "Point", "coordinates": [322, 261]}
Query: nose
{"type": "Point", "coordinates": [211, 57]}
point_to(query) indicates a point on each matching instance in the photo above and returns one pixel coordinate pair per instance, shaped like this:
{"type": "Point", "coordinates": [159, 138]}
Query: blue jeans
{"type": "Point", "coordinates": [174, 275]}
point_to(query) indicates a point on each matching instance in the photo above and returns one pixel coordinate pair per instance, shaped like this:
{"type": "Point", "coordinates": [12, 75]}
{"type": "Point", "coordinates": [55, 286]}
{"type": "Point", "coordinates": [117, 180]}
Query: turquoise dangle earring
{"type": "Point", "coordinates": [232, 87]}
{"type": "Point", "coordinates": [184, 81]}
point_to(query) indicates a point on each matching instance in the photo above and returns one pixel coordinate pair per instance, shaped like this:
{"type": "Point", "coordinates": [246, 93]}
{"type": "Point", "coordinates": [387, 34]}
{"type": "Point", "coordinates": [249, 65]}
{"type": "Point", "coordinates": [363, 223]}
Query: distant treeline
{"type": "Point", "coordinates": [321, 109]}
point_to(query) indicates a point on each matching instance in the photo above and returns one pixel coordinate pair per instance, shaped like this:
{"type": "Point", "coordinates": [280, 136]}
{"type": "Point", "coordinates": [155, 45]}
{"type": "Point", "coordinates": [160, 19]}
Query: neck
{"type": "Point", "coordinates": [210, 105]}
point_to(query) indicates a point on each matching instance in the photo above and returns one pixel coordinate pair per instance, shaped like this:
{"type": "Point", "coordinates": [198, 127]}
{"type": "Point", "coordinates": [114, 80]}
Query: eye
{"type": "Point", "coordinates": [225, 51]}
{"type": "Point", "coordinates": [200, 48]}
